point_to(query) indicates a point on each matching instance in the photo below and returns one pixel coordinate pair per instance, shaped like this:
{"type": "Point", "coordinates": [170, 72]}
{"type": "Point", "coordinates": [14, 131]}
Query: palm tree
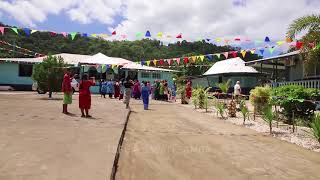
{"type": "Point", "coordinates": [310, 23]}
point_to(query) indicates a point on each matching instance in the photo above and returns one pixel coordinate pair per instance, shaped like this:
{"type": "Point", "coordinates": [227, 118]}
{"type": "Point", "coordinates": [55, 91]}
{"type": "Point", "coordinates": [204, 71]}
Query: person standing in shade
{"type": "Point", "coordinates": [145, 92]}
{"type": "Point", "coordinates": [237, 90]}
{"type": "Point", "coordinates": [137, 90]}
{"type": "Point", "coordinates": [110, 88]}
{"type": "Point", "coordinates": [188, 91]}
{"type": "Point", "coordinates": [67, 90]}
{"type": "Point", "coordinates": [161, 91]}
{"type": "Point", "coordinates": [128, 87]}
{"type": "Point", "coordinates": [116, 89]}
{"type": "Point", "coordinates": [85, 95]}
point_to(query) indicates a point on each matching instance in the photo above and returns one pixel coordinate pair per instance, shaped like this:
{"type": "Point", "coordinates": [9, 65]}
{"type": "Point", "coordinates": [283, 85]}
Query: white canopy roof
{"type": "Point", "coordinates": [136, 66]}
{"type": "Point", "coordinates": [234, 65]}
{"type": "Point", "coordinates": [103, 59]}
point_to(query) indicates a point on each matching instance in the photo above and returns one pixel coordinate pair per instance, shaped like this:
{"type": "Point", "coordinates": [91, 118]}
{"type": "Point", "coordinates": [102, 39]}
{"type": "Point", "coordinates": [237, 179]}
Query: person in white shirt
{"type": "Point", "coordinates": [237, 90]}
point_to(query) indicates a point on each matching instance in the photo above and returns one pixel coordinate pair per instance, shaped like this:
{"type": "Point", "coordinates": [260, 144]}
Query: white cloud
{"type": "Point", "coordinates": [193, 18]}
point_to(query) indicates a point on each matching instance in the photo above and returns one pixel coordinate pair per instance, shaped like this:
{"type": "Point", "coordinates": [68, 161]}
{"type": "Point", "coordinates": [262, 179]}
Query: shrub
{"type": "Point", "coordinates": [244, 111]}
{"type": "Point", "coordinates": [195, 94]}
{"type": "Point", "coordinates": [260, 97]}
{"type": "Point", "coordinates": [268, 116]}
{"type": "Point", "coordinates": [294, 99]}
{"type": "Point", "coordinates": [315, 127]}
{"type": "Point", "coordinates": [220, 107]}
{"type": "Point", "coordinates": [224, 87]}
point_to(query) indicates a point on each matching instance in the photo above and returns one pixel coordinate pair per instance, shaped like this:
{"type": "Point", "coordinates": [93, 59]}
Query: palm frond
{"type": "Point", "coordinates": [310, 22]}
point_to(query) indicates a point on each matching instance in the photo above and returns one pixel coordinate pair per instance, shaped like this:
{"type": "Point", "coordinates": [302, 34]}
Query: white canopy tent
{"type": "Point", "coordinates": [230, 66]}
{"type": "Point", "coordinates": [103, 59]}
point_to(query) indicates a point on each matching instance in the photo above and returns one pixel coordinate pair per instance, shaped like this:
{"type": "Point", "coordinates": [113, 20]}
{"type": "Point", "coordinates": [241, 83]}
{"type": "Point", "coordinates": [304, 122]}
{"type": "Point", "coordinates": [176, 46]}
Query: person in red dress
{"type": "Point", "coordinates": [116, 89]}
{"type": "Point", "coordinates": [188, 91]}
{"type": "Point", "coordinates": [85, 95]}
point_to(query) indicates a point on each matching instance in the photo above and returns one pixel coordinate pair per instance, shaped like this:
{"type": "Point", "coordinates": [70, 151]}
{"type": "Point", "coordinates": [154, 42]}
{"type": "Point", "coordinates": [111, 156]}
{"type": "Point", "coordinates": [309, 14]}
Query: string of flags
{"type": "Point", "coordinates": [219, 56]}
{"type": "Point", "coordinates": [139, 35]}
{"type": "Point", "coordinates": [25, 51]}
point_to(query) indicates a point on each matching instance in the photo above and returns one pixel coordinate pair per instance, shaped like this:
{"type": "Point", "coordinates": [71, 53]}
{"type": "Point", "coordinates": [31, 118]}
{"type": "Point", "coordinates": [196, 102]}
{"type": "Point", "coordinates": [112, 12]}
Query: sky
{"type": "Point", "coordinates": [194, 19]}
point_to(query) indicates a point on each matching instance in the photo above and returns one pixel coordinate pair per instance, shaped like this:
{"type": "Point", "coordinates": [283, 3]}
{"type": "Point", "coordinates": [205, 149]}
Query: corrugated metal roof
{"type": "Point", "coordinates": [229, 66]}
{"type": "Point", "coordinates": [275, 57]}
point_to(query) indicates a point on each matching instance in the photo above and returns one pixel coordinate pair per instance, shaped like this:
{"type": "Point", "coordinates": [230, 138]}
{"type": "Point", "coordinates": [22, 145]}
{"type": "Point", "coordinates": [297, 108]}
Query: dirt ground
{"type": "Point", "coordinates": [172, 142]}
{"type": "Point", "coordinates": [38, 142]}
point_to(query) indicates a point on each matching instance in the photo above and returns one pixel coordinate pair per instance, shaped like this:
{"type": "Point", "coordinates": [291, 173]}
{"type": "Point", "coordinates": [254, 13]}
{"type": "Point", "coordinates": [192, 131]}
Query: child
{"type": "Point", "coordinates": [85, 95]}
{"type": "Point", "coordinates": [145, 95]}
{"type": "Point", "coordinates": [174, 92]}
{"type": "Point", "coordinates": [104, 88]}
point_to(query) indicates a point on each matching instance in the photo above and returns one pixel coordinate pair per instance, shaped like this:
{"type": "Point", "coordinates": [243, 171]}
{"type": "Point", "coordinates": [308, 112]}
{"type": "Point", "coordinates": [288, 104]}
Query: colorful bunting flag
{"type": "Point", "coordinates": [186, 60]}
{"type": "Point", "coordinates": [218, 39]}
{"type": "Point", "coordinates": [237, 39]}
{"type": "Point", "coordinates": [84, 35]}
{"type": "Point", "coordinates": [235, 54]}
{"type": "Point", "coordinates": [160, 34]}
{"type": "Point", "coordinates": [288, 40]}
{"type": "Point", "coordinates": [148, 63]}
{"type": "Point", "coordinates": [113, 66]}
{"type": "Point", "coordinates": [94, 35]}
{"type": "Point", "coordinates": [299, 44]}
{"type": "Point", "coordinates": [178, 60]}
{"type": "Point", "coordinates": [27, 31]}
{"type": "Point", "coordinates": [53, 33]}
{"type": "Point", "coordinates": [261, 51]}
{"type": "Point", "coordinates": [267, 39]}
{"type": "Point", "coordinates": [15, 30]}
{"type": "Point", "coordinates": [201, 58]}
{"type": "Point", "coordinates": [280, 43]}
{"type": "Point", "coordinates": [243, 52]}
{"type": "Point", "coordinates": [2, 30]}
{"type": "Point", "coordinates": [226, 41]}
{"type": "Point", "coordinates": [169, 61]}
{"type": "Point", "coordinates": [253, 51]}
{"type": "Point", "coordinates": [218, 55]}
{"type": "Point", "coordinates": [148, 34]}
{"type": "Point", "coordinates": [194, 58]}
{"type": "Point", "coordinates": [64, 34]}
{"type": "Point", "coordinates": [179, 36]}
{"type": "Point", "coordinates": [103, 68]}
{"type": "Point", "coordinates": [114, 33]}
{"type": "Point", "coordinates": [161, 62]}
{"type": "Point", "coordinates": [138, 35]}
{"type": "Point", "coordinates": [142, 62]}
{"type": "Point", "coordinates": [33, 31]}
{"type": "Point", "coordinates": [73, 35]}
{"type": "Point", "coordinates": [226, 54]}
{"type": "Point", "coordinates": [155, 62]}
{"type": "Point", "coordinates": [209, 57]}
{"type": "Point", "coordinates": [271, 49]}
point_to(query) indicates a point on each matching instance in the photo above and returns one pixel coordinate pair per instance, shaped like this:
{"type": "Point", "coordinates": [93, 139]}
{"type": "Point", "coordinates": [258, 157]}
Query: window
{"type": "Point", "coordinates": [156, 76]}
{"type": "Point", "coordinates": [145, 75]}
{"type": "Point", "coordinates": [25, 70]}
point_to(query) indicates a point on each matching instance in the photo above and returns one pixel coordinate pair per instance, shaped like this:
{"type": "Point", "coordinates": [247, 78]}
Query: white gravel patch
{"type": "Point", "coordinates": [301, 137]}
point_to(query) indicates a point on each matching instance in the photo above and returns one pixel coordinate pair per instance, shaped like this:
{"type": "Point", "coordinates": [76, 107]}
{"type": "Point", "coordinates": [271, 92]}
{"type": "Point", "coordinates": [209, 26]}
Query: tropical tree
{"type": "Point", "coordinates": [268, 116]}
{"type": "Point", "coordinates": [315, 127]}
{"type": "Point", "coordinates": [311, 48]}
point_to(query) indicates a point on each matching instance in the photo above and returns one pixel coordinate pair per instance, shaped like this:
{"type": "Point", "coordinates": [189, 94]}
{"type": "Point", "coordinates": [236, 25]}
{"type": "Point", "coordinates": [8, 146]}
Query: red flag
{"type": "Point", "coordinates": [114, 33]}
{"type": "Point", "coordinates": [2, 30]}
{"type": "Point", "coordinates": [186, 60]}
{"type": "Point", "coordinates": [53, 33]}
{"type": "Point", "coordinates": [299, 44]}
{"type": "Point", "coordinates": [237, 39]}
{"type": "Point", "coordinates": [179, 36]}
{"type": "Point", "coordinates": [161, 61]}
{"type": "Point", "coordinates": [234, 53]}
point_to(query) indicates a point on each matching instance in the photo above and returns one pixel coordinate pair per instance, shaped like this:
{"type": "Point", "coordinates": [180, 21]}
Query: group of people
{"type": "Point", "coordinates": [112, 88]}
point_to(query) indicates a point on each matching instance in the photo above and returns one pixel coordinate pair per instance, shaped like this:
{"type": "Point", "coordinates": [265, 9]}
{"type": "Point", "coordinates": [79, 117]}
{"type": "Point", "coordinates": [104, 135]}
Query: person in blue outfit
{"type": "Point", "coordinates": [145, 95]}
{"type": "Point", "coordinates": [104, 88]}
{"type": "Point", "coordinates": [110, 88]}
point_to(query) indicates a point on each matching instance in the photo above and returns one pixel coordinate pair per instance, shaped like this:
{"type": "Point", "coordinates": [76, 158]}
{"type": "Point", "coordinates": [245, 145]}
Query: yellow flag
{"type": "Point", "coordinates": [252, 51]}
{"type": "Point", "coordinates": [148, 63]}
{"type": "Point", "coordinates": [94, 35]}
{"type": "Point", "coordinates": [218, 39]}
{"type": "Point", "coordinates": [194, 58]}
{"type": "Point", "coordinates": [243, 52]}
{"type": "Point", "coordinates": [155, 62]}
{"type": "Point", "coordinates": [113, 65]}
{"type": "Point", "coordinates": [202, 58]}
{"type": "Point", "coordinates": [160, 34]}
{"type": "Point", "coordinates": [280, 42]}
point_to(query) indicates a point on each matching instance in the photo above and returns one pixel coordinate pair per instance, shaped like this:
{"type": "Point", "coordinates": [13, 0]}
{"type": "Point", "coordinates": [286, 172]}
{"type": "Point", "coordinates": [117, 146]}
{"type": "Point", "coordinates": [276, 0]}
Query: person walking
{"type": "Point", "coordinates": [67, 90]}
{"type": "Point", "coordinates": [85, 95]}
{"type": "Point", "coordinates": [137, 90]}
{"type": "Point", "coordinates": [237, 91]}
{"type": "Point", "coordinates": [145, 92]}
{"type": "Point", "coordinates": [128, 88]}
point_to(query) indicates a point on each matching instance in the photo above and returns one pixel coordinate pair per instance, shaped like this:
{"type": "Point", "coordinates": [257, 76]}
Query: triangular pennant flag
{"type": "Point", "coordinates": [73, 35]}
{"type": "Point", "coordinates": [155, 62]}
{"type": "Point", "coordinates": [114, 33]}
{"type": "Point", "coordinates": [194, 58]}
{"type": "Point", "coordinates": [235, 54]}
{"type": "Point", "coordinates": [64, 34]}
{"type": "Point", "coordinates": [218, 39]}
{"type": "Point", "coordinates": [27, 31]}
{"type": "Point", "coordinates": [226, 41]}
{"type": "Point", "coordinates": [138, 35]}
{"type": "Point", "coordinates": [271, 50]}
{"type": "Point", "coordinates": [103, 68]}
{"type": "Point", "coordinates": [186, 60]}
{"type": "Point", "coordinates": [209, 57]}
{"type": "Point", "coordinates": [201, 58]}
{"type": "Point", "coordinates": [53, 33]}
{"type": "Point", "coordinates": [178, 60]}
{"type": "Point", "coordinates": [218, 55]}
{"type": "Point", "coordinates": [208, 40]}
{"type": "Point", "coordinates": [94, 35]}
{"type": "Point", "coordinates": [243, 52]}
{"type": "Point", "coordinates": [2, 30]}
{"type": "Point", "coordinates": [84, 35]}
{"type": "Point", "coordinates": [161, 62]}
{"type": "Point", "coordinates": [148, 34]}
{"type": "Point", "coordinates": [237, 39]}
{"type": "Point", "coordinates": [299, 44]}
{"type": "Point", "coordinates": [142, 62]}
{"type": "Point", "coordinates": [33, 31]}
{"type": "Point", "coordinates": [160, 34]}
{"type": "Point", "coordinates": [169, 61]}
{"type": "Point", "coordinates": [261, 51]}
{"type": "Point", "coordinates": [148, 63]}
{"type": "Point", "coordinates": [179, 36]}
{"type": "Point", "coordinates": [253, 51]}
{"type": "Point", "coordinates": [280, 43]}
{"type": "Point", "coordinates": [113, 66]}
{"type": "Point", "coordinates": [267, 39]}
{"type": "Point", "coordinates": [226, 54]}
{"type": "Point", "coordinates": [15, 30]}
{"type": "Point", "coordinates": [288, 40]}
